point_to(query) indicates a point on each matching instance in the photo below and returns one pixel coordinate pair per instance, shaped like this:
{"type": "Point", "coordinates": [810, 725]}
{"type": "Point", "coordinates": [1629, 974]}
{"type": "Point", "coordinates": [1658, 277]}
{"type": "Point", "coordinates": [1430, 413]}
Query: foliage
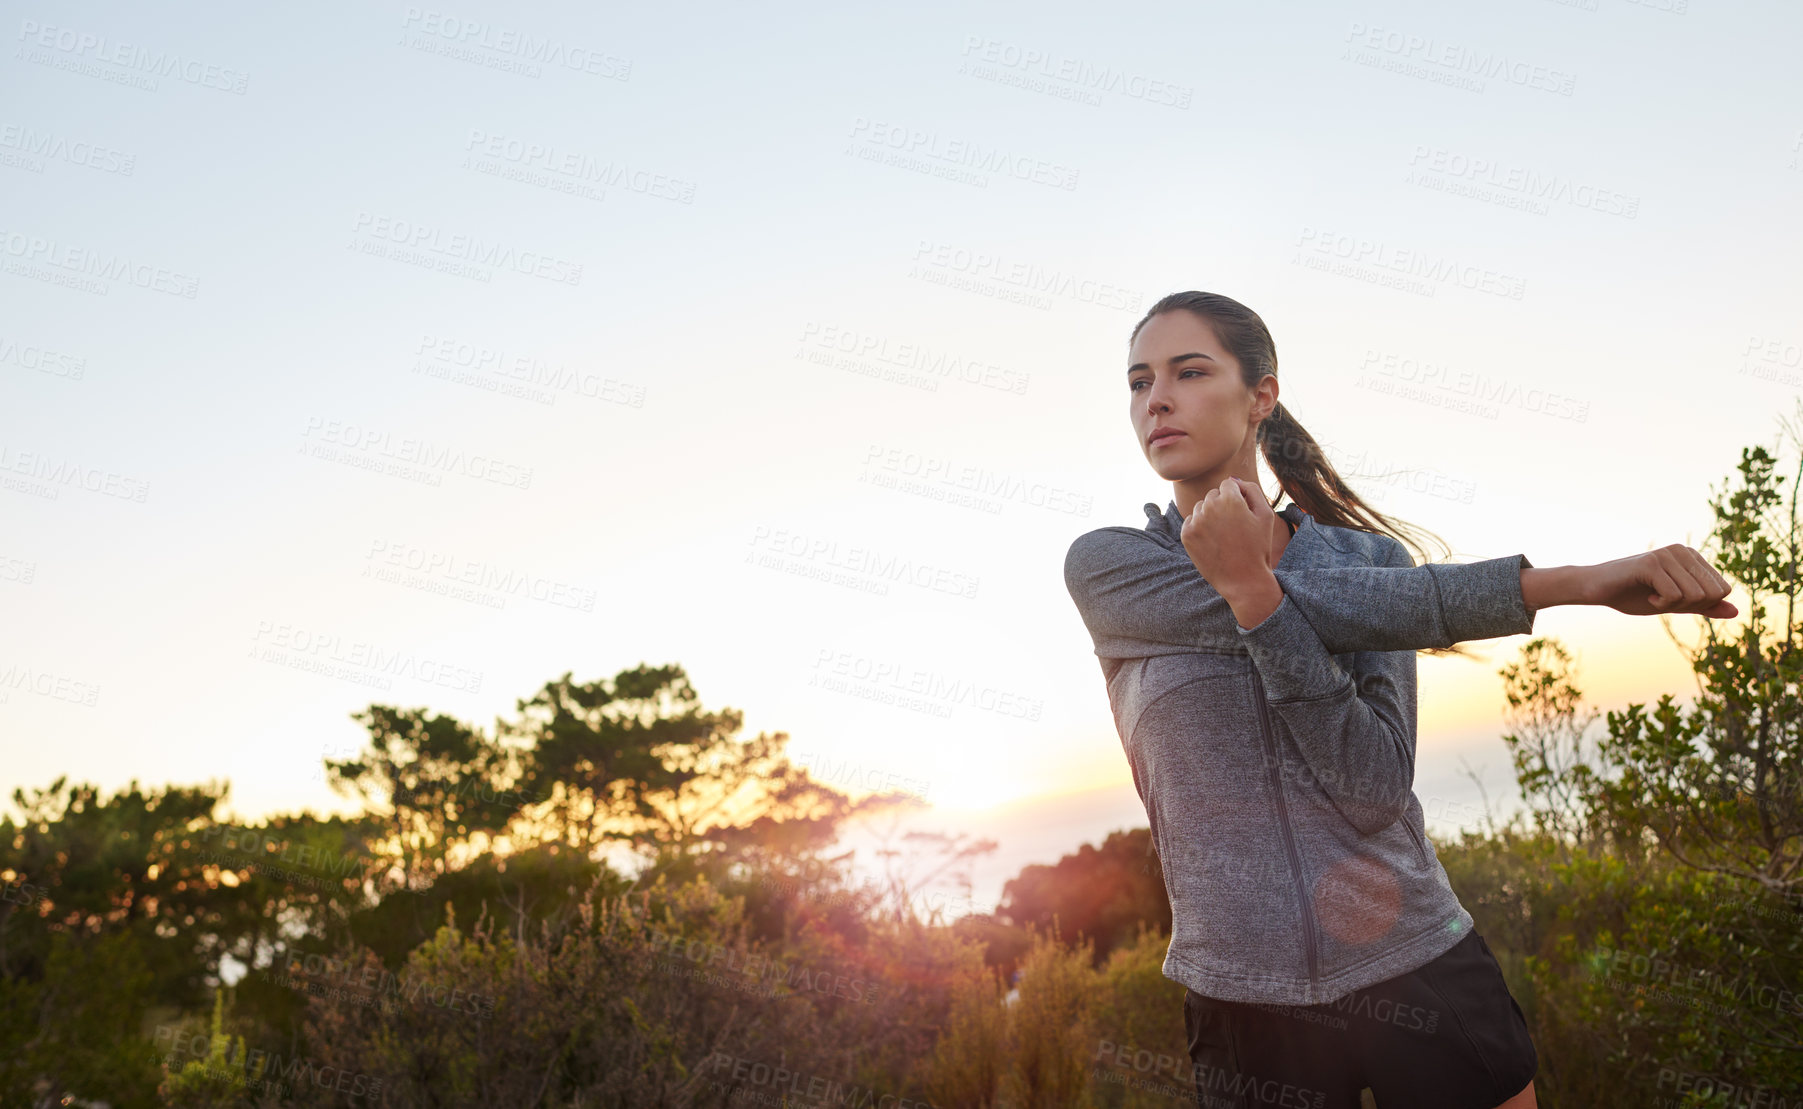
{"type": "Point", "coordinates": [467, 938]}
{"type": "Point", "coordinates": [1719, 784]}
{"type": "Point", "coordinates": [1103, 893]}
{"type": "Point", "coordinates": [223, 1078]}
{"type": "Point", "coordinates": [1050, 1039]}
{"type": "Point", "coordinates": [966, 1065]}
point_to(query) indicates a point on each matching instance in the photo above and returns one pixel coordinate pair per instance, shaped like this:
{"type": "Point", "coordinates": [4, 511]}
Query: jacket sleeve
{"type": "Point", "coordinates": [1355, 732]}
{"type": "Point", "coordinates": [1139, 598]}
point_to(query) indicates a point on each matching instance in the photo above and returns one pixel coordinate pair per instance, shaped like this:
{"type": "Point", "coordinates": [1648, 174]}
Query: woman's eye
{"type": "Point", "coordinates": [1133, 386]}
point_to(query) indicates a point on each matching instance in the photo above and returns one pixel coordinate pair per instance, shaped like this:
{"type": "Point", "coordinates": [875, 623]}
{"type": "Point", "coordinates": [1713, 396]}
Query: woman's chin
{"type": "Point", "coordinates": [1171, 464]}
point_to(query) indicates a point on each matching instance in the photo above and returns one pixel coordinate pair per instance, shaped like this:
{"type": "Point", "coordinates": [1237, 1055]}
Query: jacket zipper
{"type": "Point", "coordinates": [1283, 820]}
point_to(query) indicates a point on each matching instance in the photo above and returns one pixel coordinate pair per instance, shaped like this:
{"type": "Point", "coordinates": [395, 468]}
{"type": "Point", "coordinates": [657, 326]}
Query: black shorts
{"type": "Point", "coordinates": [1445, 1036]}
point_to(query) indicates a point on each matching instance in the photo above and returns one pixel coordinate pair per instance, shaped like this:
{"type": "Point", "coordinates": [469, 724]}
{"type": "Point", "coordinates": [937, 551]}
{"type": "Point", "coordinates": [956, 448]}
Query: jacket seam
{"type": "Point", "coordinates": [1180, 685]}
{"type": "Point", "coordinates": [1336, 694]}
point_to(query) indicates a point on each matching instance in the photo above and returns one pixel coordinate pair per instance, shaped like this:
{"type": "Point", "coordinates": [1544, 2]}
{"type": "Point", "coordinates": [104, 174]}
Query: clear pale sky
{"type": "Point", "coordinates": [683, 333]}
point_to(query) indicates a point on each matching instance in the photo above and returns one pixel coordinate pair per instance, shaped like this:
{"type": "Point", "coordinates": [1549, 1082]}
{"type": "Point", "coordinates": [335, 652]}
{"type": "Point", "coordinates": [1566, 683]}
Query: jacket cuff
{"type": "Point", "coordinates": [1291, 661]}
{"type": "Point", "coordinates": [1482, 600]}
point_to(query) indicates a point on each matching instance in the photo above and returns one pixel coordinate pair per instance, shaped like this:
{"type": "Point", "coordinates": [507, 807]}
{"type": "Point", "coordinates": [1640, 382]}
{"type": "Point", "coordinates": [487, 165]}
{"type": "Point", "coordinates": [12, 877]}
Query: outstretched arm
{"type": "Point", "coordinates": [1140, 598]}
{"type": "Point", "coordinates": [1226, 537]}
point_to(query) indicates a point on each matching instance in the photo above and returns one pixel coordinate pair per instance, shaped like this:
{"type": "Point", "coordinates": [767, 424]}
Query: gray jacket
{"type": "Point", "coordinates": [1277, 763]}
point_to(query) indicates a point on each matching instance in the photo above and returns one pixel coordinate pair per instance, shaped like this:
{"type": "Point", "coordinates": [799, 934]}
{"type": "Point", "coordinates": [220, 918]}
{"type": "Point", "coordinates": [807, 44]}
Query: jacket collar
{"type": "Point", "coordinates": [1167, 525]}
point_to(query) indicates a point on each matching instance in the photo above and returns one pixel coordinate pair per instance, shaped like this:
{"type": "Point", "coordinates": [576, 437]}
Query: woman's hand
{"type": "Point", "coordinates": [1673, 578]}
{"type": "Point", "coordinates": [1229, 535]}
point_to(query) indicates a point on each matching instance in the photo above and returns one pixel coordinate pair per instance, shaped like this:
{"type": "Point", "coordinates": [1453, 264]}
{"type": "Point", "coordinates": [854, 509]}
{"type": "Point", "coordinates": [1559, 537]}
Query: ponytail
{"type": "Point", "coordinates": [1302, 469]}
{"type": "Point", "coordinates": [1305, 474]}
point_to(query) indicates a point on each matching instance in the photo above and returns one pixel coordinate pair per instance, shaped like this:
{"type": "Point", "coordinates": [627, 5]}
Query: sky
{"type": "Point", "coordinates": [417, 355]}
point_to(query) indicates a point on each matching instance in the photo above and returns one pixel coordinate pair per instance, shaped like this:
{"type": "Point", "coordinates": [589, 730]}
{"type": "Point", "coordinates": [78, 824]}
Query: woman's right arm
{"type": "Point", "coordinates": [1135, 593]}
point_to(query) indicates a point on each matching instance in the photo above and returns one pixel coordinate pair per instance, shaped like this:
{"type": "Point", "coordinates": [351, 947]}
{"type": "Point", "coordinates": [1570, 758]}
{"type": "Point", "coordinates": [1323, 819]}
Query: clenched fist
{"type": "Point", "coordinates": [1229, 535]}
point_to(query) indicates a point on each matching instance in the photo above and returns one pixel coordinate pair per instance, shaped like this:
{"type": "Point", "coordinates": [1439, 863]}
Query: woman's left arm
{"type": "Point", "coordinates": [1355, 732]}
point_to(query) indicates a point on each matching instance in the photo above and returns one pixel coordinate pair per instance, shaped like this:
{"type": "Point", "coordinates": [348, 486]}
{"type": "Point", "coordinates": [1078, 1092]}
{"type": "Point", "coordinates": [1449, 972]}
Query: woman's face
{"type": "Point", "coordinates": [1180, 378]}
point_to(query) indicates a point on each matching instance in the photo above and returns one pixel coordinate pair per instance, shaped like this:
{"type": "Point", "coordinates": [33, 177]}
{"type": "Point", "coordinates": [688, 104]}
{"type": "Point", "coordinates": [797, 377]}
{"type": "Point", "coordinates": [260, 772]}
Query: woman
{"type": "Point", "coordinates": [1261, 671]}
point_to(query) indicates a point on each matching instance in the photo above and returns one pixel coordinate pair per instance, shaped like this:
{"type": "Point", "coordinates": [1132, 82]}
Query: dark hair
{"type": "Point", "coordinates": [1303, 471]}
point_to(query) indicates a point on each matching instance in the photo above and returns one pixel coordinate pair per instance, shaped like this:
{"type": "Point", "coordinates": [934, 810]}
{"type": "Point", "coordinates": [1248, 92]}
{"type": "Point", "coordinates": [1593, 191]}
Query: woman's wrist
{"type": "Point", "coordinates": [1254, 599]}
{"type": "Point", "coordinates": [1546, 586]}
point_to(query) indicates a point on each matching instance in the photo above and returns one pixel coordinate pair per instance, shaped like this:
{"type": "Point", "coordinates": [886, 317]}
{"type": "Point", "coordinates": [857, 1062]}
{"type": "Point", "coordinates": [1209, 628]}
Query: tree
{"type": "Point", "coordinates": [1718, 784]}
{"type": "Point", "coordinates": [636, 760]}
{"type": "Point", "coordinates": [1548, 744]}
{"type": "Point", "coordinates": [441, 781]}
{"type": "Point", "coordinates": [1105, 894]}
{"type": "Point", "coordinates": [105, 908]}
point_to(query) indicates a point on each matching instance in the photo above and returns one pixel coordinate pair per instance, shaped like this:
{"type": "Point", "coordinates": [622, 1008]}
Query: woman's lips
{"type": "Point", "coordinates": [1165, 437]}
